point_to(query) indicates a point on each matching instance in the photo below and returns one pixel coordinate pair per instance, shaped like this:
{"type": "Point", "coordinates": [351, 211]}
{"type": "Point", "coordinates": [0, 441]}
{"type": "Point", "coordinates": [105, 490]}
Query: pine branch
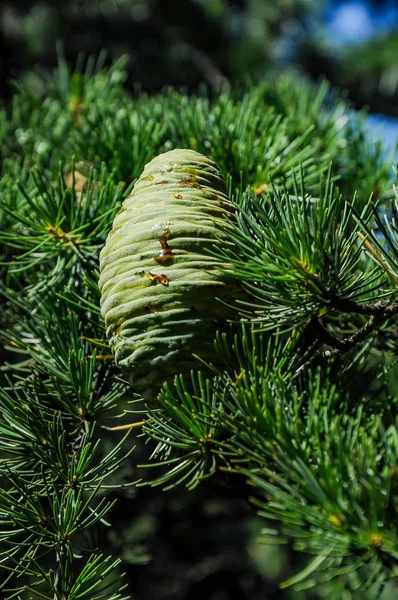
{"type": "Point", "coordinates": [319, 453]}
{"type": "Point", "coordinates": [383, 309]}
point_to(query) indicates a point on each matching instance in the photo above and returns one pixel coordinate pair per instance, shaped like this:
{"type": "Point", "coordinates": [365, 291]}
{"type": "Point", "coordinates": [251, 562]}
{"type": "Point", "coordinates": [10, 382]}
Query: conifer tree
{"type": "Point", "coordinates": [299, 395]}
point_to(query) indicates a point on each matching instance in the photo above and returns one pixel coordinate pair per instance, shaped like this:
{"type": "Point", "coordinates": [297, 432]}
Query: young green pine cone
{"type": "Point", "coordinates": [159, 288]}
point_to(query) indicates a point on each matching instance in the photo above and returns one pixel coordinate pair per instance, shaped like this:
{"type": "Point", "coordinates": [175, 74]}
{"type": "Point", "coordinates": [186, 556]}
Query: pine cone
{"type": "Point", "coordinates": [160, 289]}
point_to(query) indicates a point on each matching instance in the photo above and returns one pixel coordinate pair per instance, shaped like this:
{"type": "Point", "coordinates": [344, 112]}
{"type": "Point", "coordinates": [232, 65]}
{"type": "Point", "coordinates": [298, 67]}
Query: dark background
{"type": "Point", "coordinates": [202, 545]}
{"type": "Point", "coordinates": [185, 42]}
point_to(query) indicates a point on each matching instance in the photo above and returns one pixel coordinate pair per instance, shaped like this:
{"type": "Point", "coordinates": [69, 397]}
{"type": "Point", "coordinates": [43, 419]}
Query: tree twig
{"type": "Point", "coordinates": [385, 308]}
{"type": "Point", "coordinates": [345, 344]}
{"type": "Point", "coordinates": [342, 345]}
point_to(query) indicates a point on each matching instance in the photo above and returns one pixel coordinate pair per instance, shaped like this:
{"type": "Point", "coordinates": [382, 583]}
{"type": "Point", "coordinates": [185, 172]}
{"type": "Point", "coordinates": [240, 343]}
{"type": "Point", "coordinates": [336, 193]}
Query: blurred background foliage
{"type": "Point", "coordinates": [186, 42]}
{"type": "Point", "coordinates": [181, 545]}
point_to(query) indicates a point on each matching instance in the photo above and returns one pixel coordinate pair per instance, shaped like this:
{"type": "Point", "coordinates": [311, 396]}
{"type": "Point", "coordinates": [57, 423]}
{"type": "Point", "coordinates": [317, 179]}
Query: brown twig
{"type": "Point", "coordinates": [346, 344]}
{"type": "Point", "coordinates": [383, 308]}
{"type": "Point", "coordinates": [340, 346]}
